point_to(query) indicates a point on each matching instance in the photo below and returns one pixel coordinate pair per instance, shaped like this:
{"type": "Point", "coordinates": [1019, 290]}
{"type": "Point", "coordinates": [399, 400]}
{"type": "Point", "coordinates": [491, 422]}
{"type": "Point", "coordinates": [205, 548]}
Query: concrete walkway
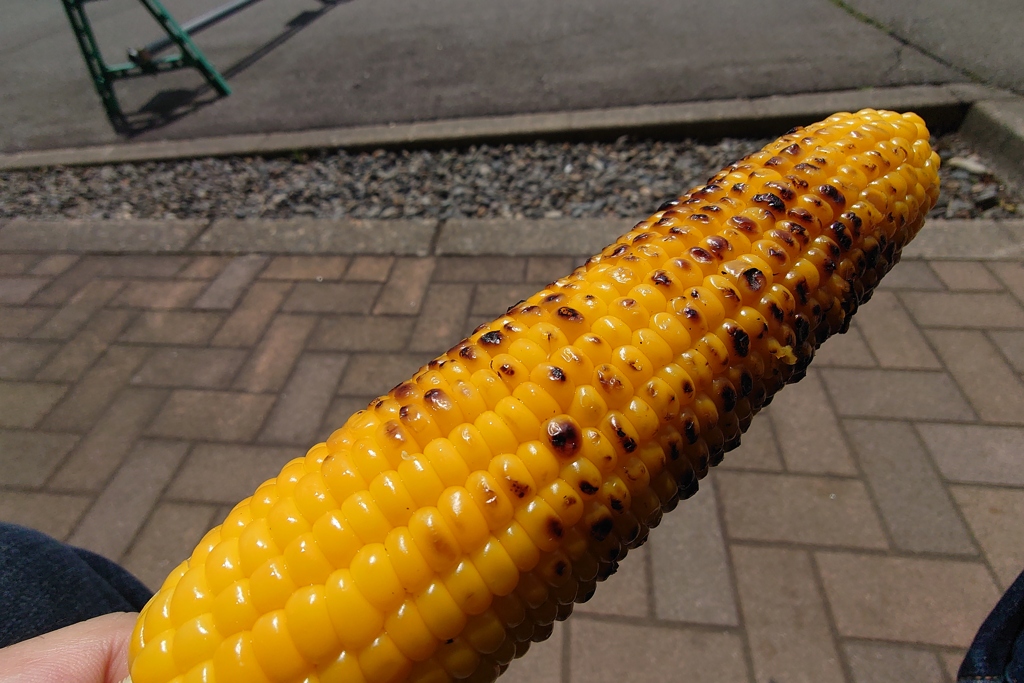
{"type": "Point", "coordinates": [308, 64]}
{"type": "Point", "coordinates": [860, 534]}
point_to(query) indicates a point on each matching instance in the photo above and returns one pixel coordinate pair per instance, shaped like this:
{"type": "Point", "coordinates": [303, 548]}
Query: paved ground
{"type": "Point", "coordinates": [860, 535]}
{"type": "Point", "coordinates": [301, 64]}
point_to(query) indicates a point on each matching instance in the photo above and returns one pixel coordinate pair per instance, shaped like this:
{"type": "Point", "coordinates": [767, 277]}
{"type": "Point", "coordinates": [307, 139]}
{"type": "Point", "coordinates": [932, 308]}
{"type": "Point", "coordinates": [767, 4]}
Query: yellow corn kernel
{"type": "Point", "coordinates": [309, 622]}
{"type": "Point", "coordinates": [444, 528]}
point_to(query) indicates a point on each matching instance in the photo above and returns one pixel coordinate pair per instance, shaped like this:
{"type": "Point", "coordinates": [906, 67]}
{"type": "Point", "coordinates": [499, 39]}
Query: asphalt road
{"type": "Point", "coordinates": [302, 64]}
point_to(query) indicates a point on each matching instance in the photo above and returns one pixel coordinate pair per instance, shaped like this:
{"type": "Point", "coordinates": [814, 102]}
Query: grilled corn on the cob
{"type": "Point", "coordinates": [444, 528]}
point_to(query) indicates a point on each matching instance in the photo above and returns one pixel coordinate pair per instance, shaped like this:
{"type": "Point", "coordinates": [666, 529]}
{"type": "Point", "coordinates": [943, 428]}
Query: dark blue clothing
{"type": "Point", "coordinates": [46, 585]}
{"type": "Point", "coordinates": [997, 653]}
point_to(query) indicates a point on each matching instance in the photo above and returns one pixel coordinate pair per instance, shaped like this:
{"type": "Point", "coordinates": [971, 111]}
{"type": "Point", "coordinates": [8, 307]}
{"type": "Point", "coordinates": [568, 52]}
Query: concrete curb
{"type": "Point", "coordinates": [943, 106]}
{"type": "Point", "coordinates": [940, 239]}
{"type": "Point", "coordinates": [996, 128]}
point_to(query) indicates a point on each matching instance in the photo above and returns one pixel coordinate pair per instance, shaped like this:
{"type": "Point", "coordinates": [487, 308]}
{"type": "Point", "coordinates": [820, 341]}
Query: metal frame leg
{"type": "Point", "coordinates": [190, 53]}
{"type": "Point", "coordinates": [102, 78]}
{"type": "Point", "coordinates": [103, 75]}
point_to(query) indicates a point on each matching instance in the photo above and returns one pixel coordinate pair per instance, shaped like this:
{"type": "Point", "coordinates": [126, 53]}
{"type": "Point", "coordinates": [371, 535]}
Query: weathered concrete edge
{"type": "Point", "coordinates": [996, 129]}
{"type": "Point", "coordinates": [986, 240]}
{"type": "Point", "coordinates": [943, 106]}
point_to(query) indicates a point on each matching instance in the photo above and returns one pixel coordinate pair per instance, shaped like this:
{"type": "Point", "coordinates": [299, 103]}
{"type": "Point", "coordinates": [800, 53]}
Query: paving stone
{"type": "Point", "coordinates": [19, 322]}
{"type": "Point", "coordinates": [272, 361]}
{"type": "Point", "coordinates": [845, 351]}
{"type": "Point", "coordinates": [940, 602]}
{"type": "Point", "coordinates": [989, 383]}
{"type": "Point", "coordinates": [951, 661]}
{"type": "Point", "coordinates": [689, 564]}
{"type": "Point", "coordinates": [968, 310]}
{"type": "Point", "coordinates": [89, 397]}
{"type": "Point", "coordinates": [159, 294]}
{"type": "Point", "coordinates": [1012, 346]}
{"type": "Point", "coordinates": [332, 297]}
{"type": "Point", "coordinates": [107, 444]}
{"type": "Point", "coordinates": [362, 333]}
{"type": "Point", "coordinates": [965, 276]}
{"type": "Point", "coordinates": [136, 265]}
{"type": "Point", "coordinates": [245, 325]}
{"type": "Point", "coordinates": [626, 592]}
{"type": "Point", "coordinates": [996, 516]}
{"type": "Point", "coordinates": [27, 458]}
{"type": "Point", "coordinates": [404, 291]}
{"type": "Point", "coordinates": [173, 327]}
{"type": "Point", "coordinates": [377, 373]}
{"type": "Point", "coordinates": [909, 394]}
{"type": "Point", "coordinates": [911, 275]}
{"type": "Point", "coordinates": [613, 652]}
{"type": "Point", "coordinates": [341, 409]}
{"type": "Point", "coordinates": [23, 404]}
{"type": "Point", "coordinates": [204, 267]}
{"type": "Point", "coordinates": [977, 454]}
{"type": "Point", "coordinates": [75, 357]}
{"type": "Point", "coordinates": [211, 415]}
{"type": "Point", "coordinates": [167, 538]}
{"type": "Point", "coordinates": [18, 290]}
{"type": "Point", "coordinates": [1012, 275]}
{"type": "Point", "coordinates": [808, 431]}
{"type": "Point", "coordinates": [914, 504]}
{"type": "Point", "coordinates": [892, 335]}
{"type": "Point", "coordinates": [300, 407]}
{"type": "Point", "coordinates": [226, 473]}
{"type": "Point", "coordinates": [547, 269]}
{"type": "Point", "coordinates": [228, 287]}
{"type": "Point", "coordinates": [54, 265]}
{"type": "Point", "coordinates": [115, 518]}
{"type": "Point", "coordinates": [495, 300]}
{"type": "Point", "coordinates": [758, 449]}
{"type": "Point", "coordinates": [21, 359]}
{"type": "Point", "coordinates": [370, 268]}
{"type": "Point", "coordinates": [441, 323]}
{"type": "Point", "coordinates": [799, 509]}
{"type": "Point", "coordinates": [317, 268]}
{"type": "Point", "coordinates": [67, 284]}
{"type": "Point", "coordinates": [889, 664]}
{"type": "Point", "coordinates": [190, 367]}
{"type": "Point", "coordinates": [79, 310]}
{"type": "Point", "coordinates": [785, 617]}
{"type": "Point", "coordinates": [543, 662]}
{"type": "Point", "coordinates": [480, 269]}
{"type": "Point", "coordinates": [53, 514]}
{"type": "Point", "coordinates": [16, 264]}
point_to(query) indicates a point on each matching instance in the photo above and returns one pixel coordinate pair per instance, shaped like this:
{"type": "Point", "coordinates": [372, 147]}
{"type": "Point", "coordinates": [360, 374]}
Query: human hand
{"type": "Point", "coordinates": [93, 651]}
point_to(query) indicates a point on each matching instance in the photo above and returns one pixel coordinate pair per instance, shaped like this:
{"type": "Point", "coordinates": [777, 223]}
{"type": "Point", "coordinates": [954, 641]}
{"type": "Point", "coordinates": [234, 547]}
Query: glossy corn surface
{"type": "Point", "coordinates": [450, 524]}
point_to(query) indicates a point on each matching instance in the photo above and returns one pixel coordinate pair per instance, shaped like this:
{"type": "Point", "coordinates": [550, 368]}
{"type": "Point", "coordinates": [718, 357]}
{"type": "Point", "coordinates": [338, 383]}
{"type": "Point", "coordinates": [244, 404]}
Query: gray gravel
{"type": "Point", "coordinates": [625, 178]}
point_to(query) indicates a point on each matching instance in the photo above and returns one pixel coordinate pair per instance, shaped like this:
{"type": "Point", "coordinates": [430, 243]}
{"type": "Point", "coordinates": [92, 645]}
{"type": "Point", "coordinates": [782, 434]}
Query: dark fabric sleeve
{"type": "Point", "coordinates": [46, 585]}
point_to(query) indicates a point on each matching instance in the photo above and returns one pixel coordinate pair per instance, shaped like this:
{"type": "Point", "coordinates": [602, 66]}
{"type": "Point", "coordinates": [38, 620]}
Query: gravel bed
{"type": "Point", "coordinates": [625, 178]}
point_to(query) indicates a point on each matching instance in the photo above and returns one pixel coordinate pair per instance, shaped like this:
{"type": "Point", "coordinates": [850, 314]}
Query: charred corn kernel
{"type": "Point", "coordinates": [441, 530]}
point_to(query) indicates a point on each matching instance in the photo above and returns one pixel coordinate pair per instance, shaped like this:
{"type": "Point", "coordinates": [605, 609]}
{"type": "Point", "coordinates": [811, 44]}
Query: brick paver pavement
{"type": "Point", "coordinates": [861, 533]}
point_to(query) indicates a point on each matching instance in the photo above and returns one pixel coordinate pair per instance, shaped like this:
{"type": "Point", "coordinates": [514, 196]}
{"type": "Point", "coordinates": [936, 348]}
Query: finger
{"type": "Point", "coordinates": [93, 651]}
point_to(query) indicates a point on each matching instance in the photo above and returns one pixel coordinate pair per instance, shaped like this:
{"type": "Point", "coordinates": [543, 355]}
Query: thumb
{"type": "Point", "coordinates": [93, 651]}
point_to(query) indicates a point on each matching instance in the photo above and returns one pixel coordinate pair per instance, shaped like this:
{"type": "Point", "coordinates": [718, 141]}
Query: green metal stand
{"type": "Point", "coordinates": [104, 75]}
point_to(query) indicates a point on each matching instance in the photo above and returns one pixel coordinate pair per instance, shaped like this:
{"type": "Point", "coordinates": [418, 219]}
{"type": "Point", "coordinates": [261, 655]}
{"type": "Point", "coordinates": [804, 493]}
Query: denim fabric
{"type": "Point", "coordinates": [997, 653]}
{"type": "Point", "coordinates": [46, 585]}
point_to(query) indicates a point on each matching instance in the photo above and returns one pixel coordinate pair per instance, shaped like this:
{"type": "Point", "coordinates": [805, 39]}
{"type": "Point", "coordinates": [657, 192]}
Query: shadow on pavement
{"type": "Point", "coordinates": [168, 106]}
